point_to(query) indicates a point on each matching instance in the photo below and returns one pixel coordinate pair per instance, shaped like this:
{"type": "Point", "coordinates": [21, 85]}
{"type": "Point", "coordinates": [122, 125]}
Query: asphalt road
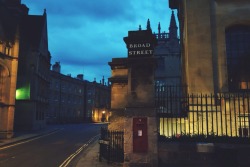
{"type": "Point", "coordinates": [58, 149]}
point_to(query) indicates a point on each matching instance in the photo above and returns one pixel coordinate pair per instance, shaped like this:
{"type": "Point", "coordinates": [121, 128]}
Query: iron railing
{"type": "Point", "coordinates": [111, 145]}
{"type": "Point", "coordinates": [220, 115]}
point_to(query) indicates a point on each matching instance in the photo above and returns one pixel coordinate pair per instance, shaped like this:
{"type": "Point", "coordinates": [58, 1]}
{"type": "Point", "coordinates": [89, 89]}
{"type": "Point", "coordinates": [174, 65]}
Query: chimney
{"type": "Point", "coordinates": [80, 77]}
{"type": "Point", "coordinates": [56, 67]}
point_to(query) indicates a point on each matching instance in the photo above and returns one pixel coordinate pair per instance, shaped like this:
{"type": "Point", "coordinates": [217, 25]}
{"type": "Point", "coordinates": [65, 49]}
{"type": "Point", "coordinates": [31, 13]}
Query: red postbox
{"type": "Point", "coordinates": [140, 135]}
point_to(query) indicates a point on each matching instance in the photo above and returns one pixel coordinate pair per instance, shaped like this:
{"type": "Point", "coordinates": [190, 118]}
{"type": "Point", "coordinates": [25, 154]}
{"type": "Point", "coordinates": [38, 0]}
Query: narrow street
{"type": "Point", "coordinates": [51, 150]}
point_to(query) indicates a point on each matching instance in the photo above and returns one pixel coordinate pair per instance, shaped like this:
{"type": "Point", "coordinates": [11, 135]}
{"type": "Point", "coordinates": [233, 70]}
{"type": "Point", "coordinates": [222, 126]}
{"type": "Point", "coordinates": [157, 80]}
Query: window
{"type": "Point", "coordinates": [238, 57]}
{"type": "Point", "coordinates": [243, 125]}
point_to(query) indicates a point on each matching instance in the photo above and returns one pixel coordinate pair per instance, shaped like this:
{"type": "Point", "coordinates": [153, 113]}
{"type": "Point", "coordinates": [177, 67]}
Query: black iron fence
{"type": "Point", "coordinates": [111, 145]}
{"type": "Point", "coordinates": [220, 115]}
{"type": "Point", "coordinates": [170, 100]}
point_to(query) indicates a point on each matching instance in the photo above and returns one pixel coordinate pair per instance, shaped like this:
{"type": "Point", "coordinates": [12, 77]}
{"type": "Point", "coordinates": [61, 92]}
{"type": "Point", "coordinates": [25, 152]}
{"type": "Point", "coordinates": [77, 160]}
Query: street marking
{"type": "Point", "coordinates": [28, 140]}
{"type": "Point", "coordinates": [72, 156]}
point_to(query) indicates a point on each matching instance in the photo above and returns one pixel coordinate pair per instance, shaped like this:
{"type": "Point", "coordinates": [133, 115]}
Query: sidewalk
{"type": "Point", "coordinates": [26, 135]}
{"type": "Point", "coordinates": [90, 158]}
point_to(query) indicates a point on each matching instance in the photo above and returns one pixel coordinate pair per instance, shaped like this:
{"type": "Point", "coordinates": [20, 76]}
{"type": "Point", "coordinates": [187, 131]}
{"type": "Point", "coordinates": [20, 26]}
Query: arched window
{"type": "Point", "coordinates": [238, 57]}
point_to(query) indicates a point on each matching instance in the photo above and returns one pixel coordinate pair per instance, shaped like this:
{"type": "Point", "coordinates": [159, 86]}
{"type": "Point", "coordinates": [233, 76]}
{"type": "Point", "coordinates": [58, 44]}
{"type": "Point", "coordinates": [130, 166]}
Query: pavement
{"type": "Point", "coordinates": [21, 137]}
{"type": "Point", "coordinates": [89, 157]}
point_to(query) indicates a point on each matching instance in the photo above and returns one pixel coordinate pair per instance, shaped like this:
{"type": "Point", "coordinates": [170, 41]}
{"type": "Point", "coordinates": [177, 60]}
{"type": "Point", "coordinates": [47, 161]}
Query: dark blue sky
{"type": "Point", "coordinates": [84, 35]}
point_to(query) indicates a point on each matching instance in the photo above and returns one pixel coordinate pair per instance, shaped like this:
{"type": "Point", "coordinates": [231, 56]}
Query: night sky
{"type": "Point", "coordinates": [84, 35]}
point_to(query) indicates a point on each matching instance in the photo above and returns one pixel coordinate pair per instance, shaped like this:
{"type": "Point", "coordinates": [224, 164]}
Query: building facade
{"type": "Point", "coordinates": [66, 102]}
{"type": "Point", "coordinates": [215, 44]}
{"type": "Point", "coordinates": [168, 71]}
{"type": "Point", "coordinates": [9, 51]}
{"type": "Point", "coordinates": [33, 79]}
{"type": "Point", "coordinates": [75, 100]}
{"type": "Point", "coordinates": [98, 101]}
{"type": "Point", "coordinates": [37, 94]}
{"type": "Point", "coordinates": [168, 56]}
{"type": "Point", "coordinates": [214, 37]}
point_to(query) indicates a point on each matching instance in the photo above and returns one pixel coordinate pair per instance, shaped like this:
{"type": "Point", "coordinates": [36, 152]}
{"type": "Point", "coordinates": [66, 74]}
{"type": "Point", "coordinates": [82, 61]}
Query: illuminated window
{"type": "Point", "coordinates": [244, 85]}
{"type": "Point", "coordinates": [238, 57]}
{"type": "Point", "coordinates": [23, 93]}
{"type": "Point", "coordinates": [243, 123]}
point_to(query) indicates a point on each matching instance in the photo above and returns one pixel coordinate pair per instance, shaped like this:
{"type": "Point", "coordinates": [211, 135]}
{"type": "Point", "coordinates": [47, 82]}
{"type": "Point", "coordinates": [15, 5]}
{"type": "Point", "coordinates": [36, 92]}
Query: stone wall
{"type": "Point", "coordinates": [177, 154]}
{"type": "Point", "coordinates": [202, 30]}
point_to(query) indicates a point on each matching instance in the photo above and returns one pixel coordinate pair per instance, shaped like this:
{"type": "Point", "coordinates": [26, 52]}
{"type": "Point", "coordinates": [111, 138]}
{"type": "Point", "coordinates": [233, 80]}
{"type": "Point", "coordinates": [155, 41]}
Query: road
{"type": "Point", "coordinates": [51, 150]}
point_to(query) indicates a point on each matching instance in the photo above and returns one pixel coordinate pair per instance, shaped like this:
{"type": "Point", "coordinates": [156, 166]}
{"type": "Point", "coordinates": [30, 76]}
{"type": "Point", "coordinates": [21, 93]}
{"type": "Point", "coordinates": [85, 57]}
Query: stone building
{"type": "Point", "coordinates": [98, 101]}
{"type": "Point", "coordinates": [133, 81]}
{"type": "Point", "coordinates": [24, 39]}
{"type": "Point", "coordinates": [33, 79]}
{"type": "Point", "coordinates": [215, 40]}
{"type": "Point", "coordinates": [215, 55]}
{"type": "Point", "coordinates": [168, 71]}
{"type": "Point", "coordinates": [9, 52]}
{"type": "Point", "coordinates": [168, 56]}
{"type": "Point", "coordinates": [66, 102]}
{"type": "Point", "coordinates": [75, 100]}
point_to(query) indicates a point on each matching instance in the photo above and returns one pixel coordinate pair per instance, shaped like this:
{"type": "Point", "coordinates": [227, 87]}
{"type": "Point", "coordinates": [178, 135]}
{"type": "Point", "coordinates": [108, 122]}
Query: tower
{"type": "Point", "coordinates": [168, 72]}
{"type": "Point", "coordinates": [148, 25]}
{"type": "Point", "coordinates": [167, 53]}
{"type": "Point", "coordinates": [173, 27]}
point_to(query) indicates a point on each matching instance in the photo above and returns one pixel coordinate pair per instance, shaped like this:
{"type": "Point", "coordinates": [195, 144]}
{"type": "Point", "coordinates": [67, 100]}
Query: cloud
{"type": "Point", "coordinates": [94, 9]}
{"type": "Point", "coordinates": [84, 35]}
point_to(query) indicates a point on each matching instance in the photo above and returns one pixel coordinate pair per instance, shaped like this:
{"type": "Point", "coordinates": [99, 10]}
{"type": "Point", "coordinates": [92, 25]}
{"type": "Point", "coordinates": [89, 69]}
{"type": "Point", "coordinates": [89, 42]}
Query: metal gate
{"type": "Point", "coordinates": [111, 145]}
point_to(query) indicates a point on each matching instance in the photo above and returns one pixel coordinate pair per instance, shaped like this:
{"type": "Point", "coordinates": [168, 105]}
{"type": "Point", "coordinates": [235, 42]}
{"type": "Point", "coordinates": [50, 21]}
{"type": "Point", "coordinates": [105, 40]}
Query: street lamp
{"type": "Point", "coordinates": [103, 116]}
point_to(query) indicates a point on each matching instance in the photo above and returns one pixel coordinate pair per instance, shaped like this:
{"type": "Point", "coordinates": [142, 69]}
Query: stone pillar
{"type": "Point", "coordinates": [140, 123]}
{"type": "Point", "coordinates": [132, 100]}
{"type": "Point", "coordinates": [119, 87]}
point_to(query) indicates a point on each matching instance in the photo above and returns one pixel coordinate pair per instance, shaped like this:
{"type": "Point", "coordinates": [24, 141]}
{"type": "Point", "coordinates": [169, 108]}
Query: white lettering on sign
{"type": "Point", "coordinates": [140, 49]}
{"type": "Point", "coordinates": [141, 52]}
{"type": "Point", "coordinates": [139, 45]}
